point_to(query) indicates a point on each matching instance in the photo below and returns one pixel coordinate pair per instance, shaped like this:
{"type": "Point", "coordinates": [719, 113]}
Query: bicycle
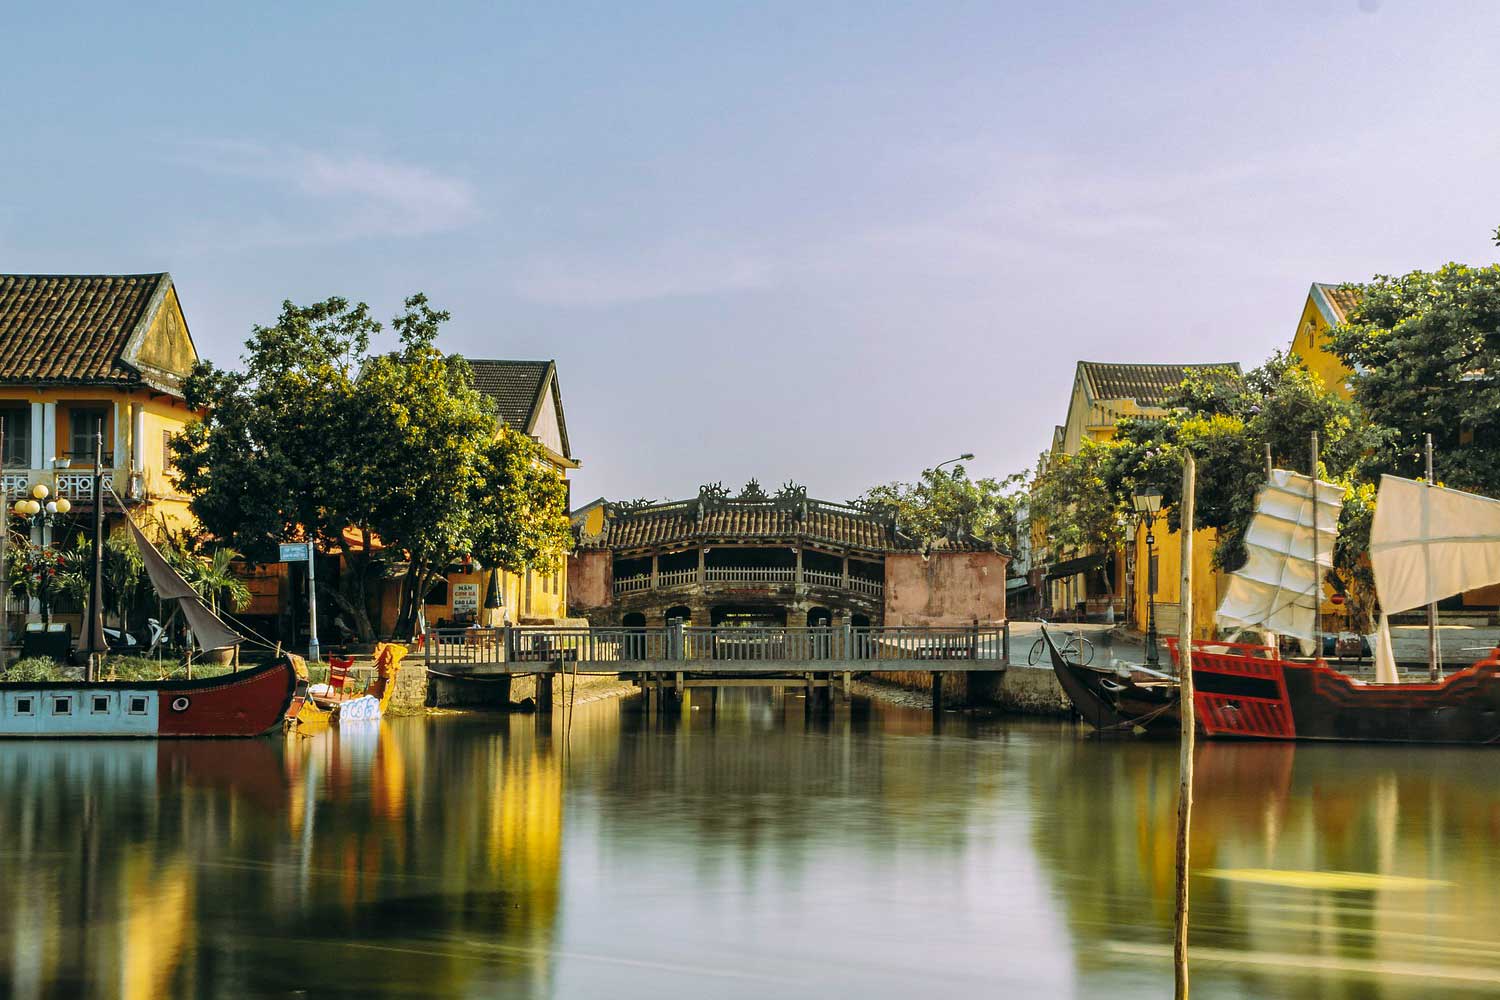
{"type": "Point", "coordinates": [1075, 649]}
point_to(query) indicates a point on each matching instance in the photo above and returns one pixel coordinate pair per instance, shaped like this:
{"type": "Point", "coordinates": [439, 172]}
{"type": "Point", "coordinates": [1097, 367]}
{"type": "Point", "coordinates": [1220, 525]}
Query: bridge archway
{"type": "Point", "coordinates": [755, 616]}
{"type": "Point", "coordinates": [633, 619]}
{"type": "Point", "coordinates": [679, 613]}
{"type": "Point", "coordinates": [859, 621]}
{"type": "Point", "coordinates": [819, 617]}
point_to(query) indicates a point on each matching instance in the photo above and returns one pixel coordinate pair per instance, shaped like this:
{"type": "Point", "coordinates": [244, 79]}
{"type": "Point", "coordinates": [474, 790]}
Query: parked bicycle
{"type": "Point", "coordinates": [1075, 648]}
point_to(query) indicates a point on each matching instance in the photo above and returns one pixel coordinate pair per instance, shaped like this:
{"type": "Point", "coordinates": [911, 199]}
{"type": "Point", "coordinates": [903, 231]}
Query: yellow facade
{"type": "Point", "coordinates": [1093, 416]}
{"type": "Point", "coordinates": [137, 420]}
{"type": "Point", "coordinates": [1326, 306]}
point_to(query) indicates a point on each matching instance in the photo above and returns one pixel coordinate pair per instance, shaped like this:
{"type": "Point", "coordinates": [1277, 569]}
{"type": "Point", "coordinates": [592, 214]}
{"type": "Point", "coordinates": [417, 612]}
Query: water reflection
{"type": "Point", "coordinates": [737, 849]}
{"type": "Point", "coordinates": [1319, 871]}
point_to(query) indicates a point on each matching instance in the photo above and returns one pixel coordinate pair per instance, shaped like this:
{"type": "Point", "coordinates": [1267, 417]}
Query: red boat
{"type": "Point", "coordinates": [1250, 692]}
{"type": "Point", "coordinates": [246, 703]}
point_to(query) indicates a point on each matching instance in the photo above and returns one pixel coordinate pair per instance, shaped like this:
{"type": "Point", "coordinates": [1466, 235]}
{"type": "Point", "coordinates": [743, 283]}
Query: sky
{"type": "Point", "coordinates": [833, 243]}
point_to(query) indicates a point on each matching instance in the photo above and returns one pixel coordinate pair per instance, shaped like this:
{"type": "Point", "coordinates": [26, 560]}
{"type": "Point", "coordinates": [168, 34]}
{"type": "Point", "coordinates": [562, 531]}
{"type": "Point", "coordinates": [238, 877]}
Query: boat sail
{"type": "Point", "coordinates": [210, 632]}
{"type": "Point", "coordinates": [1290, 547]}
{"type": "Point", "coordinates": [1428, 543]}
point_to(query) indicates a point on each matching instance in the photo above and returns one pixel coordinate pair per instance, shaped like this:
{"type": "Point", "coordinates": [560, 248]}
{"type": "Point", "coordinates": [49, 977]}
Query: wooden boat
{"type": "Point", "coordinates": [1117, 701]}
{"type": "Point", "coordinates": [1247, 692]}
{"type": "Point", "coordinates": [1427, 542]}
{"type": "Point", "coordinates": [329, 703]}
{"type": "Point", "coordinates": [248, 703]}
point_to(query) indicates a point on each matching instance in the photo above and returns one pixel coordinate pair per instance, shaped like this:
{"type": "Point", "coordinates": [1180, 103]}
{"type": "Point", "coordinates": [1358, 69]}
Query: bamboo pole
{"type": "Point", "coordinates": [1432, 641]}
{"type": "Point", "coordinates": [1189, 726]}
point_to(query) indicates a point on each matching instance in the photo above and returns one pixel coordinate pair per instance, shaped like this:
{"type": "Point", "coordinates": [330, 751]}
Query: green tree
{"type": "Point", "coordinates": [372, 455]}
{"type": "Point", "coordinates": [1424, 350]}
{"type": "Point", "coordinates": [1071, 500]}
{"type": "Point", "coordinates": [948, 504]}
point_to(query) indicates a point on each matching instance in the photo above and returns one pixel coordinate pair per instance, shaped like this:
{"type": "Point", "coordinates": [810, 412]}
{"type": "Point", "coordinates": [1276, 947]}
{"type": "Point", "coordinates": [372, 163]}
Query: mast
{"type": "Point", "coordinates": [1432, 640]}
{"type": "Point", "coordinates": [1317, 562]}
{"type": "Point", "coordinates": [96, 643]}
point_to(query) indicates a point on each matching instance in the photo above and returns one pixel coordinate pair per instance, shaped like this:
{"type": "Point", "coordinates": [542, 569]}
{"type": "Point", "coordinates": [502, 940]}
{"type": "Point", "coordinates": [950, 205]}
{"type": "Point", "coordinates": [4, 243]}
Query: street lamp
{"type": "Point", "coordinates": [967, 456]}
{"type": "Point", "coordinates": [37, 509]}
{"type": "Point", "coordinates": [1147, 505]}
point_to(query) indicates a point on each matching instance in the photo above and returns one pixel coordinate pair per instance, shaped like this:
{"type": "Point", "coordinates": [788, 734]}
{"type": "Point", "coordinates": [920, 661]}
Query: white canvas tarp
{"type": "Point", "coordinates": [1429, 542]}
{"type": "Point", "coordinates": [1276, 588]}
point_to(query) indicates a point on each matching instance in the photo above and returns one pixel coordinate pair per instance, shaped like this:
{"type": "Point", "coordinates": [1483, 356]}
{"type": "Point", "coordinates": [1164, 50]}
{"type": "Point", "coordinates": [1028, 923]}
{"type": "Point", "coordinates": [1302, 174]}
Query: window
{"type": "Point", "coordinates": [100, 704]}
{"type": "Point", "coordinates": [137, 705]}
{"type": "Point", "coordinates": [24, 706]}
{"type": "Point", "coordinates": [166, 450]}
{"type": "Point", "coordinates": [438, 594]}
{"type": "Point", "coordinates": [62, 706]}
{"type": "Point", "coordinates": [528, 590]}
{"type": "Point", "coordinates": [83, 423]}
{"type": "Point", "coordinates": [15, 452]}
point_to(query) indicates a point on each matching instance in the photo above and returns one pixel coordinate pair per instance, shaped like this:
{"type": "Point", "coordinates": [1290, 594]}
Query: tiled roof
{"type": "Point", "coordinates": [1340, 301]}
{"type": "Point", "coordinates": [1148, 385]}
{"type": "Point", "coordinates": [73, 328]}
{"type": "Point", "coordinates": [516, 387]}
{"type": "Point", "coordinates": [686, 522]}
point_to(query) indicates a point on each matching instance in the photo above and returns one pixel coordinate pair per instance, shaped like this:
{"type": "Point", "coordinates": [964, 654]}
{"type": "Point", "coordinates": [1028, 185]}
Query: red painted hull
{"type": "Point", "coordinates": [246, 703]}
{"type": "Point", "coordinates": [1245, 695]}
{"type": "Point", "coordinates": [249, 703]}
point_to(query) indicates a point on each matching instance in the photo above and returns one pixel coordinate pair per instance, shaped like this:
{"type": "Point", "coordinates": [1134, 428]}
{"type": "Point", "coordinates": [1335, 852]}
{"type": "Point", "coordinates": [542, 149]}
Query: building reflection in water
{"type": "Point", "coordinates": [416, 857]}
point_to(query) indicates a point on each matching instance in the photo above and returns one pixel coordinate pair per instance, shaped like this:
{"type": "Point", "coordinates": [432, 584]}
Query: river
{"type": "Point", "coordinates": [740, 852]}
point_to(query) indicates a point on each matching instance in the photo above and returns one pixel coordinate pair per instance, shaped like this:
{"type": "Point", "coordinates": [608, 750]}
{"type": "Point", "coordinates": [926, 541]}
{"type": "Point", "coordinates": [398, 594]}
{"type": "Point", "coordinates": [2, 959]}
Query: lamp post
{"type": "Point", "coordinates": [38, 509]}
{"type": "Point", "coordinates": [967, 456]}
{"type": "Point", "coordinates": [1147, 505]}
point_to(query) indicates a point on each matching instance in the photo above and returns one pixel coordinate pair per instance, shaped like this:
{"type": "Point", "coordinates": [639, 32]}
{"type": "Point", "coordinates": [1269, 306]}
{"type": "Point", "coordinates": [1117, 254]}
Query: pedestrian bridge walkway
{"type": "Point", "coordinates": [725, 650]}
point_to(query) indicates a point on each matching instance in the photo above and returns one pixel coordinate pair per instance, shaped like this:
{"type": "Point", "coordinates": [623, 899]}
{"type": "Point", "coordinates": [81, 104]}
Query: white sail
{"type": "Point", "coordinates": [1429, 542]}
{"type": "Point", "coordinates": [1277, 587]}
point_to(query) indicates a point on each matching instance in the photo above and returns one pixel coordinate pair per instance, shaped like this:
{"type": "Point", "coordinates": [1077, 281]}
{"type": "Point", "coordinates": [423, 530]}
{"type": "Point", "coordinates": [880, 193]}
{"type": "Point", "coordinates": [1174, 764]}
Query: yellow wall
{"type": "Point", "coordinates": [163, 414]}
{"type": "Point", "coordinates": [1310, 346]}
{"type": "Point", "coordinates": [1207, 581]}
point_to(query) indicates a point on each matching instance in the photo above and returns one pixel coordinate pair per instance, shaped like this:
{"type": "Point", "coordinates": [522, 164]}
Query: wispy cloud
{"type": "Point", "coordinates": [318, 196]}
{"type": "Point", "coordinates": [679, 270]}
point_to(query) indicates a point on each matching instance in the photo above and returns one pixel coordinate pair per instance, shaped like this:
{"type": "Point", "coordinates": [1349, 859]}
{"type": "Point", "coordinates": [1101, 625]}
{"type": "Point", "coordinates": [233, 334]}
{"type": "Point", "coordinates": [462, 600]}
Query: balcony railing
{"type": "Point", "coordinates": [770, 575]}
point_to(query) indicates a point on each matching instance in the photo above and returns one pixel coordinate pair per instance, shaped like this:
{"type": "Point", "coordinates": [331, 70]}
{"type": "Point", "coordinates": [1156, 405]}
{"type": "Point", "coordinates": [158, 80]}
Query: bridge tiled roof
{"type": "Point", "coordinates": [785, 521]}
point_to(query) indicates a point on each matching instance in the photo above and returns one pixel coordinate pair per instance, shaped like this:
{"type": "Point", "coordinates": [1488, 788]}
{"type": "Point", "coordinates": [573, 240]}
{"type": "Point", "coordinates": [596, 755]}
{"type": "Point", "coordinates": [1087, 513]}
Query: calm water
{"type": "Point", "coordinates": [743, 853]}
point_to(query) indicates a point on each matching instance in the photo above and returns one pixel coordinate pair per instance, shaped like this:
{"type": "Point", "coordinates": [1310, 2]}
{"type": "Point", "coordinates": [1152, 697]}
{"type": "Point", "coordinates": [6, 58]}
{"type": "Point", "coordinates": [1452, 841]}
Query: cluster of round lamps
{"type": "Point", "coordinates": [37, 502]}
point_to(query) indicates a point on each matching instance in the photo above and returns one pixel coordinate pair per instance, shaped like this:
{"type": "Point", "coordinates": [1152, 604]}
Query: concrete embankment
{"type": "Point", "coordinates": [1019, 689]}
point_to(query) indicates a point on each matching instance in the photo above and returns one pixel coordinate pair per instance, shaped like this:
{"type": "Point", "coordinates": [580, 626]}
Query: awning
{"type": "Point", "coordinates": [1016, 585]}
{"type": "Point", "coordinates": [1072, 567]}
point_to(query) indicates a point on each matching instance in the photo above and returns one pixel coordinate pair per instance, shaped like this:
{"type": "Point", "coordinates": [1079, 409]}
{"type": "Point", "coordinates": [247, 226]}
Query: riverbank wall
{"type": "Point", "coordinates": [1019, 689]}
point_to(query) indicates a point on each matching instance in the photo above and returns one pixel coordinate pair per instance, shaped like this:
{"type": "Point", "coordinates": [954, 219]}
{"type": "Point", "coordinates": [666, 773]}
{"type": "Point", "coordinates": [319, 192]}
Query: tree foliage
{"type": "Point", "coordinates": [379, 457]}
{"type": "Point", "coordinates": [948, 504]}
{"type": "Point", "coordinates": [1072, 502]}
{"type": "Point", "coordinates": [1425, 354]}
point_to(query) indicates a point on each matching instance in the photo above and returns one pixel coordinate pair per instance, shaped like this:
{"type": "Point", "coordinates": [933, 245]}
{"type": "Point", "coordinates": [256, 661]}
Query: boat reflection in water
{"type": "Point", "coordinates": [1318, 871]}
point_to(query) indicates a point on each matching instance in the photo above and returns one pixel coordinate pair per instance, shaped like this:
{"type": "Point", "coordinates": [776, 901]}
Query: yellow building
{"type": "Point", "coordinates": [1326, 307]}
{"type": "Point", "coordinates": [85, 353]}
{"type": "Point", "coordinates": [1104, 394]}
{"type": "Point", "coordinates": [528, 399]}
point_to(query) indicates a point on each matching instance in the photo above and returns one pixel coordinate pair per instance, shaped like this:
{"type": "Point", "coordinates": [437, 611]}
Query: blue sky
{"type": "Point", "coordinates": [827, 242]}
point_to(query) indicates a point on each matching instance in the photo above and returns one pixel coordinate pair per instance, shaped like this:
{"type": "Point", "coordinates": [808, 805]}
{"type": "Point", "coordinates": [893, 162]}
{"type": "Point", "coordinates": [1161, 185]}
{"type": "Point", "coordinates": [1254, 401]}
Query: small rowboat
{"type": "Point", "coordinates": [247, 703]}
{"type": "Point", "coordinates": [1118, 701]}
{"type": "Point", "coordinates": [330, 703]}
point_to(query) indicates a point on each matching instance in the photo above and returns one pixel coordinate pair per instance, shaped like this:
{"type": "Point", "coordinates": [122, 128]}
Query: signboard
{"type": "Point", "coordinates": [294, 552]}
{"type": "Point", "coordinates": [465, 599]}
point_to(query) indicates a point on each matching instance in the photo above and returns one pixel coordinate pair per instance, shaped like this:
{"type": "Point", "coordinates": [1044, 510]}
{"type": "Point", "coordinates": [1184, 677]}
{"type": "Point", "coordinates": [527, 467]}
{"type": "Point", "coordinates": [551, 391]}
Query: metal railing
{"type": "Point", "coordinates": [866, 645]}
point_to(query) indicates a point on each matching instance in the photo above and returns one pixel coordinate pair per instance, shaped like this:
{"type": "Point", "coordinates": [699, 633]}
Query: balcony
{"type": "Point", "coordinates": [751, 575]}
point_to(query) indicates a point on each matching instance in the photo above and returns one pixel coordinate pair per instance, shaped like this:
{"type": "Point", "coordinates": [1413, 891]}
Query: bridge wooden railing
{"type": "Point", "coordinates": [859, 648]}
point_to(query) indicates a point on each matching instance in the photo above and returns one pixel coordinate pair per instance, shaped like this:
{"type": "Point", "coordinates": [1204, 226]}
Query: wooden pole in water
{"type": "Point", "coordinates": [1432, 641]}
{"type": "Point", "coordinates": [1317, 560]}
{"type": "Point", "coordinates": [1189, 726]}
{"type": "Point", "coordinates": [1269, 466]}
